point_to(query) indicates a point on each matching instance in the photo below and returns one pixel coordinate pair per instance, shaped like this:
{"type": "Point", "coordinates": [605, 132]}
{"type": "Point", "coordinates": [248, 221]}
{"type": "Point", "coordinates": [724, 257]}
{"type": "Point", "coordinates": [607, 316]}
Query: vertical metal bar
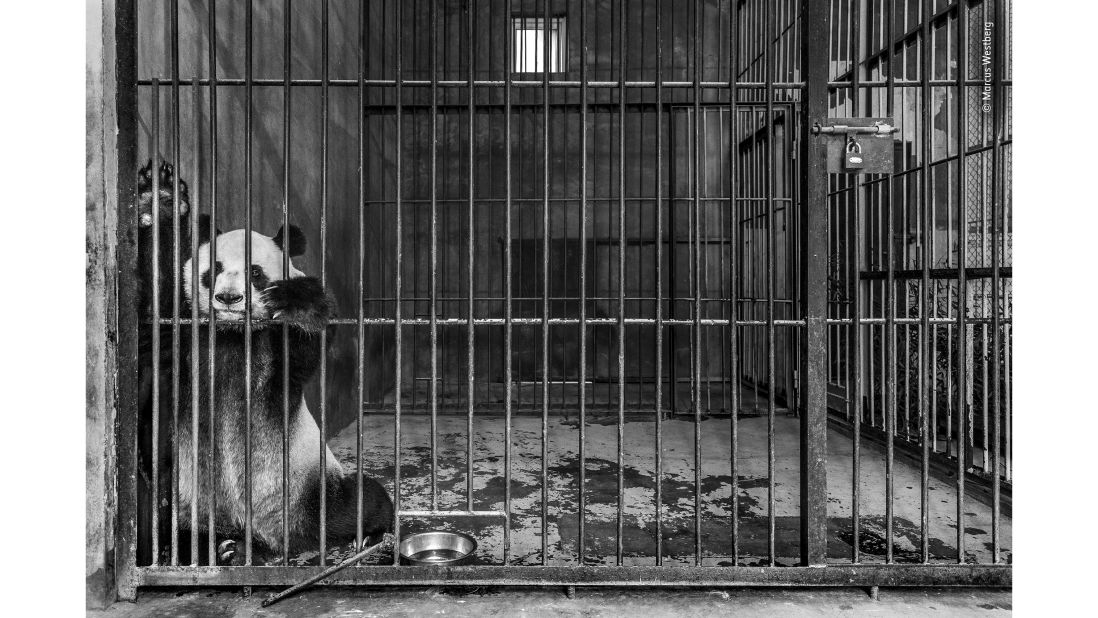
{"type": "Point", "coordinates": [816, 20]}
{"type": "Point", "coordinates": [434, 256]}
{"type": "Point", "coordinates": [696, 277]}
{"type": "Point", "coordinates": [195, 330]}
{"type": "Point", "coordinates": [621, 279]}
{"type": "Point", "coordinates": [607, 285]}
{"type": "Point", "coordinates": [723, 276]}
{"type": "Point", "coordinates": [155, 326]}
{"type": "Point", "coordinates": [565, 258]}
{"type": "Point", "coordinates": [890, 303]}
{"type": "Point", "coordinates": [322, 447]}
{"type": "Point", "coordinates": [545, 285]}
{"type": "Point", "coordinates": [957, 129]}
{"type": "Point", "coordinates": [997, 210]}
{"type": "Point", "coordinates": [768, 183]}
{"type": "Point", "coordinates": [733, 209]}
{"type": "Point", "coordinates": [361, 343]}
{"type": "Point", "coordinates": [471, 273]}
{"type": "Point", "coordinates": [126, 535]}
{"type": "Point", "coordinates": [287, 63]}
{"type": "Point", "coordinates": [758, 160]}
{"type": "Point", "coordinates": [855, 350]}
{"type": "Point", "coordinates": [673, 246]}
{"type": "Point", "coordinates": [926, 382]}
{"type": "Point", "coordinates": [1008, 351]}
{"type": "Point", "coordinates": [659, 266]}
{"type": "Point", "coordinates": [875, 358]}
{"type": "Point", "coordinates": [176, 270]}
{"type": "Point", "coordinates": [583, 288]}
{"type": "Point", "coordinates": [934, 293]}
{"type": "Point", "coordinates": [703, 257]}
{"type": "Point", "coordinates": [983, 340]}
{"type": "Point", "coordinates": [248, 119]}
{"type": "Point", "coordinates": [398, 322]}
{"type": "Point", "coordinates": [508, 303]}
{"type": "Point", "coordinates": [212, 451]}
{"type": "Point", "coordinates": [962, 281]}
{"type": "Point", "coordinates": [905, 285]}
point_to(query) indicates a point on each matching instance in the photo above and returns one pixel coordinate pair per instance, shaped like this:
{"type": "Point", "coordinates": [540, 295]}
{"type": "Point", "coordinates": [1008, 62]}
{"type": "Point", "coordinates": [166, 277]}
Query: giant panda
{"type": "Point", "coordinates": [299, 301]}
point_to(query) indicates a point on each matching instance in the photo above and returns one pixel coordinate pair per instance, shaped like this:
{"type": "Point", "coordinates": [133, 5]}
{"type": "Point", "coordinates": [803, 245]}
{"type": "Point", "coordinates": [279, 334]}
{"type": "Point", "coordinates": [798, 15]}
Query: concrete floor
{"type": "Point", "coordinates": [639, 536]}
{"type": "Point", "coordinates": [588, 603]}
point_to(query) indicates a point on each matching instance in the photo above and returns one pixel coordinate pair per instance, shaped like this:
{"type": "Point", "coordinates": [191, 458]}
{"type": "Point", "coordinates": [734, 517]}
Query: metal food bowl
{"type": "Point", "coordinates": [436, 547]}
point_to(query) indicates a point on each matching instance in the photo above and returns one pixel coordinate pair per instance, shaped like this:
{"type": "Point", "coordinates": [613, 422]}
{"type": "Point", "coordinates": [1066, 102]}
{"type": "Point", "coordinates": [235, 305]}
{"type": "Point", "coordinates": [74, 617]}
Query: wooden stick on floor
{"type": "Point", "coordinates": [278, 596]}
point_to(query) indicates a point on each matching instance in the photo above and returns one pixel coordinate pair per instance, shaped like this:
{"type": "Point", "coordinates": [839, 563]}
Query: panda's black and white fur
{"type": "Point", "coordinates": [299, 301]}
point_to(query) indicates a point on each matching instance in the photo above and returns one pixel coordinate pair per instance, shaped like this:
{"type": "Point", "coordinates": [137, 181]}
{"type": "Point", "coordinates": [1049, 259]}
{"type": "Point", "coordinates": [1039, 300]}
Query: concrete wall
{"type": "Point", "coordinates": [101, 305]}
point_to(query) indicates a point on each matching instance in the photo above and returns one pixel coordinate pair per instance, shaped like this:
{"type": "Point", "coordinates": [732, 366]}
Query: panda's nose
{"type": "Point", "coordinates": [229, 298]}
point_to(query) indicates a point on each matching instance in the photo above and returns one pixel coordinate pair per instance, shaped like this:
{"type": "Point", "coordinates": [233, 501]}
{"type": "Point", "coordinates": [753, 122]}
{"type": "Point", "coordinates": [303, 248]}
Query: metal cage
{"type": "Point", "coordinates": [635, 246]}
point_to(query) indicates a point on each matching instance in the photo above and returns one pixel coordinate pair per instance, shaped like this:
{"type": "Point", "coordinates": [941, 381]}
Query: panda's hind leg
{"type": "Point", "coordinates": [230, 553]}
{"type": "Point", "coordinates": [227, 550]}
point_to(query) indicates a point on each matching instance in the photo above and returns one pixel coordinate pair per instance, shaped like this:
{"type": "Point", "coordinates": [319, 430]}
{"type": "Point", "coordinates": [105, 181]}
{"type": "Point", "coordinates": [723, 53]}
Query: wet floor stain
{"type": "Point", "coordinates": [906, 540]}
{"type": "Point", "coordinates": [557, 495]}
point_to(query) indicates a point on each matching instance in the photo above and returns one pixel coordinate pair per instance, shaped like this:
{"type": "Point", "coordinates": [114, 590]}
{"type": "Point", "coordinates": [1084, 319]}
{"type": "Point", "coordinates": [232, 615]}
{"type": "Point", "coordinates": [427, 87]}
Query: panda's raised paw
{"type": "Point", "coordinates": [299, 300]}
{"type": "Point", "coordinates": [169, 210]}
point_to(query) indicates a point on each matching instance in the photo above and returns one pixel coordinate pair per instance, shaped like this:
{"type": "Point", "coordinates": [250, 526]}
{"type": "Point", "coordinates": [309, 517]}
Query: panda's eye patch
{"type": "Point", "coordinates": [207, 278]}
{"type": "Point", "coordinates": [259, 277]}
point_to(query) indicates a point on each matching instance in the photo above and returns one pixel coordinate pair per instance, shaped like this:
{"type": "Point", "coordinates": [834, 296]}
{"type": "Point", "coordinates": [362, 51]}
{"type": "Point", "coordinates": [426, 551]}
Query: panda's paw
{"type": "Point", "coordinates": [165, 184]}
{"type": "Point", "coordinates": [227, 554]}
{"type": "Point", "coordinates": [301, 301]}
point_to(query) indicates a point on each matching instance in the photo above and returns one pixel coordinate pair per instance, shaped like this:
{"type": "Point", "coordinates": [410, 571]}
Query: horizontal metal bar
{"type": "Point", "coordinates": [463, 513]}
{"type": "Point", "coordinates": [503, 321]}
{"type": "Point", "coordinates": [904, 83]}
{"type": "Point", "coordinates": [936, 273]}
{"type": "Point", "coordinates": [895, 575]}
{"type": "Point", "coordinates": [535, 404]}
{"type": "Point", "coordinates": [566, 83]}
{"type": "Point", "coordinates": [533, 409]}
{"type": "Point", "coordinates": [460, 201]}
{"type": "Point", "coordinates": [522, 83]}
{"type": "Point", "coordinates": [500, 299]}
{"type": "Point", "coordinates": [588, 321]}
{"type": "Point", "coordinates": [866, 321]}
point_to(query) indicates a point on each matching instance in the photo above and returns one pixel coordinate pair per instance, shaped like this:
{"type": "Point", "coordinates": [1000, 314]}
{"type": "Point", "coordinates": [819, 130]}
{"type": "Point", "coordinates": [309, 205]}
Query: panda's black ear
{"type": "Point", "coordinates": [204, 225]}
{"type": "Point", "coordinates": [292, 243]}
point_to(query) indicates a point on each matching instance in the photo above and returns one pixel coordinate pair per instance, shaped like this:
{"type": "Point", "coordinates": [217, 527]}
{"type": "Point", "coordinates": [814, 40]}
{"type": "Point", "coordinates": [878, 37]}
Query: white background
{"type": "Point", "coordinates": [42, 299]}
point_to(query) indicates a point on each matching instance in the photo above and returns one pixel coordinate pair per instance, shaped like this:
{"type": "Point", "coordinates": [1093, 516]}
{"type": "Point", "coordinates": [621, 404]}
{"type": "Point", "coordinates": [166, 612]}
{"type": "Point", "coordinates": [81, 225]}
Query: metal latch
{"type": "Point", "coordinates": [856, 145]}
{"type": "Point", "coordinates": [878, 128]}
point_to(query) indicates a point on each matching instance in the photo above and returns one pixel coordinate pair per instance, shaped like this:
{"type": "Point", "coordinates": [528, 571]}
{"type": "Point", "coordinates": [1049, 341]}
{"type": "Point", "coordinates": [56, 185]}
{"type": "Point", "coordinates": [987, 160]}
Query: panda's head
{"type": "Point", "coordinates": [164, 195]}
{"type": "Point", "coordinates": [221, 285]}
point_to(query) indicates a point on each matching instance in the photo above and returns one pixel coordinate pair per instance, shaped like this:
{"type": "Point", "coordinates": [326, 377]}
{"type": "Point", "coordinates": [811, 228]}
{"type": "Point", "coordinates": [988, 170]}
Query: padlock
{"type": "Point", "coordinates": [853, 161]}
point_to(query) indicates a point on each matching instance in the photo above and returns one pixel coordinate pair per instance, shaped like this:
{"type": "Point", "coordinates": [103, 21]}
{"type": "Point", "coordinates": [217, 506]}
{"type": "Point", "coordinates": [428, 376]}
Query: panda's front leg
{"type": "Point", "coordinates": [304, 304]}
{"type": "Point", "coordinates": [300, 301]}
